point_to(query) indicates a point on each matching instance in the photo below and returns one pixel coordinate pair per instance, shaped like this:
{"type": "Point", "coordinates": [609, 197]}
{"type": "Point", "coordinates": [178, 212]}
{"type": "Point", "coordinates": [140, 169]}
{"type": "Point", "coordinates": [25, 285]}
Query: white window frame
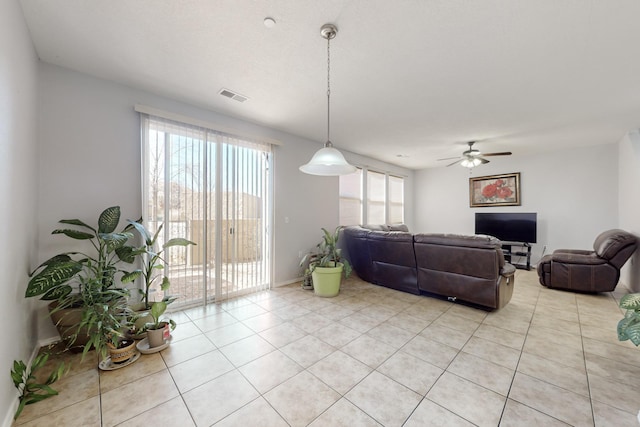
{"type": "Point", "coordinates": [364, 194]}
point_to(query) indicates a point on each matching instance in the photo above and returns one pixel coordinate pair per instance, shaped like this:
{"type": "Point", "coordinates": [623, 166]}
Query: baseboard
{"type": "Point", "coordinates": [287, 282]}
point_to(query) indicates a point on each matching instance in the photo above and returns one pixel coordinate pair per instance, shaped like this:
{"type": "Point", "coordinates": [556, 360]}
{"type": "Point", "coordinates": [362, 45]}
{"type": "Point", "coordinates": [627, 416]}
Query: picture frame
{"type": "Point", "coordinates": [495, 190]}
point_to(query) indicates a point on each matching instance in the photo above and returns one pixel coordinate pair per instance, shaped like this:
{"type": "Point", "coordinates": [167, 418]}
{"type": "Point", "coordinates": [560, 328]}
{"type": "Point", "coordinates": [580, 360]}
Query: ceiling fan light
{"type": "Point", "coordinates": [328, 162]}
{"type": "Point", "coordinates": [470, 162]}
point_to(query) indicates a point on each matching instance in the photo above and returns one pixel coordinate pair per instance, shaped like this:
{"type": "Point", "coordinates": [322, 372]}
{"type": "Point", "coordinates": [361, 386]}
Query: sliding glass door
{"type": "Point", "coordinates": [213, 189]}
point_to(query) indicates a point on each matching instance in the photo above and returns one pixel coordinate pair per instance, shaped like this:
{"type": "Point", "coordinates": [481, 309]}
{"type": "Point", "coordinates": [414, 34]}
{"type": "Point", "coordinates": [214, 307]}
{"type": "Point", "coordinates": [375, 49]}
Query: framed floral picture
{"type": "Point", "coordinates": [495, 190]}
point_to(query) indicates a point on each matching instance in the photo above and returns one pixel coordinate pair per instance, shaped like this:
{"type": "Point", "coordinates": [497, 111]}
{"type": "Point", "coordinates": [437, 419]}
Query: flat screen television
{"type": "Point", "coordinates": [508, 227]}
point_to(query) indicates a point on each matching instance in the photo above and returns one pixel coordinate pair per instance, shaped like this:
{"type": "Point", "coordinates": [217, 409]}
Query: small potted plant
{"type": "Point", "coordinates": [307, 280]}
{"type": "Point", "coordinates": [327, 265]}
{"type": "Point", "coordinates": [106, 318]}
{"type": "Point", "coordinates": [629, 326]}
{"type": "Point", "coordinates": [158, 330]}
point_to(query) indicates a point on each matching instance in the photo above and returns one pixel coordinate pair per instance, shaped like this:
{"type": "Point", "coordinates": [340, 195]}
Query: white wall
{"type": "Point", "coordinates": [629, 201]}
{"type": "Point", "coordinates": [91, 160]}
{"type": "Point", "coordinates": [574, 192]}
{"type": "Point", "coordinates": [18, 191]}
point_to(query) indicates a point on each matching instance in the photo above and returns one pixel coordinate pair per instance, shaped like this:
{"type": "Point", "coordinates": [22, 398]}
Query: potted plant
{"type": "Point", "coordinates": [87, 305]}
{"type": "Point", "coordinates": [153, 261]}
{"type": "Point", "coordinates": [629, 326]}
{"type": "Point", "coordinates": [307, 280]}
{"type": "Point", "coordinates": [158, 330]}
{"type": "Point", "coordinates": [327, 265]}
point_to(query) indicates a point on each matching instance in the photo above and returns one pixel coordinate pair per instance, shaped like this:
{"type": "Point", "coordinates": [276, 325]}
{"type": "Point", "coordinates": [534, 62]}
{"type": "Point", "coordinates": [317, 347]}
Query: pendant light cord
{"type": "Point", "coordinates": [328, 143]}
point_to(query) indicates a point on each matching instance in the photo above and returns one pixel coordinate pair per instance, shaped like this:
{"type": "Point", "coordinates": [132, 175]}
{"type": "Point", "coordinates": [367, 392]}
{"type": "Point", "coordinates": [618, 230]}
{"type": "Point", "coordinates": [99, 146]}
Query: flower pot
{"type": "Point", "coordinates": [326, 280]}
{"type": "Point", "coordinates": [125, 351]}
{"type": "Point", "coordinates": [307, 282]}
{"type": "Point", "coordinates": [66, 321]}
{"type": "Point", "coordinates": [157, 337]}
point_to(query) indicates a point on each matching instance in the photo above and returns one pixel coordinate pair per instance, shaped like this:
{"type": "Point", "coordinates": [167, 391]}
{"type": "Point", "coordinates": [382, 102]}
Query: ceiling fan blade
{"type": "Point", "coordinates": [483, 161]}
{"type": "Point", "coordinates": [450, 158]}
{"type": "Point", "coordinates": [457, 161]}
{"type": "Point", "coordinates": [504, 153]}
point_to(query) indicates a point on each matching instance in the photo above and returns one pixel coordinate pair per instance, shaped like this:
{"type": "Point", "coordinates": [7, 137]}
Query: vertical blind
{"type": "Point", "coordinates": [214, 189]}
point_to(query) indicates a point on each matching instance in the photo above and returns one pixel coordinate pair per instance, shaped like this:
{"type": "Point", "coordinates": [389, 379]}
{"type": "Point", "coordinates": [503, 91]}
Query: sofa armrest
{"type": "Point", "coordinates": [577, 258]}
{"type": "Point", "coordinates": [572, 251]}
{"type": "Point", "coordinates": [507, 270]}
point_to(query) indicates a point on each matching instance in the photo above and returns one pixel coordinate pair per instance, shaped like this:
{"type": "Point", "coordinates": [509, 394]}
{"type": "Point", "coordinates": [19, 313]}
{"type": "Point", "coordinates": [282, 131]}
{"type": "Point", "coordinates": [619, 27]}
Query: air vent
{"type": "Point", "coordinates": [230, 94]}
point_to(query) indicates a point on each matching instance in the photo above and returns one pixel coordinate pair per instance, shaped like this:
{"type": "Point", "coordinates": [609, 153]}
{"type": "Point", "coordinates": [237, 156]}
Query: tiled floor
{"type": "Point", "coordinates": [369, 357]}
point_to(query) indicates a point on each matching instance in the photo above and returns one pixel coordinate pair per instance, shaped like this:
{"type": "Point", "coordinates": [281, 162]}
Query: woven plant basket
{"type": "Point", "coordinates": [120, 355]}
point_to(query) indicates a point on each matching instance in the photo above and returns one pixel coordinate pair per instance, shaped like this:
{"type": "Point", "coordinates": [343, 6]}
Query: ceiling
{"type": "Point", "coordinates": [411, 80]}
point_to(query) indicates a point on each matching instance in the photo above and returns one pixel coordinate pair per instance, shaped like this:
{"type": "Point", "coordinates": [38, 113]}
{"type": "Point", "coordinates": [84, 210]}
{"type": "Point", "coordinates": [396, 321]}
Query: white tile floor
{"type": "Point", "coordinates": [369, 357]}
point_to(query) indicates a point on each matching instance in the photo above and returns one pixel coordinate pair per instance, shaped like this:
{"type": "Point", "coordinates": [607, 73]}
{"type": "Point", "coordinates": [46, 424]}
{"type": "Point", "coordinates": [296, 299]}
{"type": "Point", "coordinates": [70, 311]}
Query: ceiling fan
{"type": "Point", "coordinates": [471, 157]}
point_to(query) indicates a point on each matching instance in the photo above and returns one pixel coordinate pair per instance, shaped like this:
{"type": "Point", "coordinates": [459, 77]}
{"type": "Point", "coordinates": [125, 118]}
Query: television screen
{"type": "Point", "coordinates": [508, 227]}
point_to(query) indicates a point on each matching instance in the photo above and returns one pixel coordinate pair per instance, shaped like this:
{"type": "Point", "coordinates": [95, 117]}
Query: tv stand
{"type": "Point", "coordinates": [522, 249]}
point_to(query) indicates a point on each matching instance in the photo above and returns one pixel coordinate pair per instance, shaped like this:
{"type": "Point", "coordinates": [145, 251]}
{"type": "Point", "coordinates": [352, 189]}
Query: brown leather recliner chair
{"type": "Point", "coordinates": [588, 271]}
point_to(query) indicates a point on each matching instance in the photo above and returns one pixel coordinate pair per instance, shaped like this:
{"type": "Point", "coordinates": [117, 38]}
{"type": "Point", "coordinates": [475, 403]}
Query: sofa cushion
{"type": "Point", "coordinates": [398, 227]}
{"type": "Point", "coordinates": [609, 243]}
{"type": "Point", "coordinates": [376, 227]}
{"type": "Point", "coordinates": [393, 259]}
{"type": "Point", "coordinates": [475, 241]}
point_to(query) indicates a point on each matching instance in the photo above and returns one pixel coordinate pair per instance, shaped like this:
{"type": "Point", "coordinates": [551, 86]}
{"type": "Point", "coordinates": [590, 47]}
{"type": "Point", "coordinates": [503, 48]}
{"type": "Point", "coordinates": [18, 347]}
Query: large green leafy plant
{"type": "Point", "coordinates": [328, 253]}
{"type": "Point", "coordinates": [629, 326]}
{"type": "Point", "coordinates": [87, 274]}
{"type": "Point", "coordinates": [89, 280]}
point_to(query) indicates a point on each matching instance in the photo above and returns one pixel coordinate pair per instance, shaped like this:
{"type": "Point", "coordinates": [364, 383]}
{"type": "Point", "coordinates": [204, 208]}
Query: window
{"type": "Point", "coordinates": [214, 189]}
{"type": "Point", "coordinates": [396, 200]}
{"type": "Point", "coordinates": [351, 198]}
{"type": "Point", "coordinates": [371, 197]}
{"type": "Point", "coordinates": [376, 195]}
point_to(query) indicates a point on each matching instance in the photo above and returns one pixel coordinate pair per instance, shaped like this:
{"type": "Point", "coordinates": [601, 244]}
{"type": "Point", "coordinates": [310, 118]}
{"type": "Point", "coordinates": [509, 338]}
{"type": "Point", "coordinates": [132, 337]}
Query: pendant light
{"type": "Point", "coordinates": [328, 161]}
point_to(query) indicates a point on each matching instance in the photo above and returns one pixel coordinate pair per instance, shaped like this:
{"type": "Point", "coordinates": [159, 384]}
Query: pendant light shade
{"type": "Point", "coordinates": [328, 161]}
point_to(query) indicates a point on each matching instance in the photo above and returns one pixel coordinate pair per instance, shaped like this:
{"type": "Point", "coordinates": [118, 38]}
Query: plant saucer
{"type": "Point", "coordinates": [143, 346]}
{"type": "Point", "coordinates": [107, 365]}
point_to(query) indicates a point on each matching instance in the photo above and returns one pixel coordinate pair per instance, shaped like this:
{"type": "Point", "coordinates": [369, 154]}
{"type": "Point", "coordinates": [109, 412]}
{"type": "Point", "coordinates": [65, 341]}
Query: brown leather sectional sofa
{"type": "Point", "coordinates": [468, 268]}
